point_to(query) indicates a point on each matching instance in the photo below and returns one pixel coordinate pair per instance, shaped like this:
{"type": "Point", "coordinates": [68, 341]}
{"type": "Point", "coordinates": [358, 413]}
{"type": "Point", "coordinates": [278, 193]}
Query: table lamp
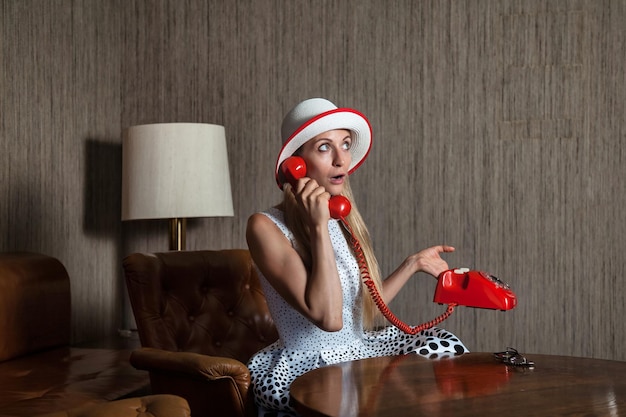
{"type": "Point", "coordinates": [175, 171]}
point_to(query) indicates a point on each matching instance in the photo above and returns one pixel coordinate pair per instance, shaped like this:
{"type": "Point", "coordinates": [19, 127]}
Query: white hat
{"type": "Point", "coordinates": [317, 115]}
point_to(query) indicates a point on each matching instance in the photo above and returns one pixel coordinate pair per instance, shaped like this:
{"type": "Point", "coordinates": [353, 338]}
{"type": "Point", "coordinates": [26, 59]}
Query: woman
{"type": "Point", "coordinates": [308, 269]}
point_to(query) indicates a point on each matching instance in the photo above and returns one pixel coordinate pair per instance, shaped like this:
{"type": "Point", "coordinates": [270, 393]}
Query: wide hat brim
{"type": "Point", "coordinates": [338, 118]}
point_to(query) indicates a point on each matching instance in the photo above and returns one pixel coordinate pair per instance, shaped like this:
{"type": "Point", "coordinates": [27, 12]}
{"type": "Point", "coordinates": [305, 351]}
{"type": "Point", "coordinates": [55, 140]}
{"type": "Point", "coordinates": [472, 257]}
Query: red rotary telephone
{"type": "Point", "coordinates": [476, 289]}
{"type": "Point", "coordinates": [454, 287]}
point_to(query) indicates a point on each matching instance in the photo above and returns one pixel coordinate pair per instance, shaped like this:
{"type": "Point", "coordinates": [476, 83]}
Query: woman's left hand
{"type": "Point", "coordinates": [430, 261]}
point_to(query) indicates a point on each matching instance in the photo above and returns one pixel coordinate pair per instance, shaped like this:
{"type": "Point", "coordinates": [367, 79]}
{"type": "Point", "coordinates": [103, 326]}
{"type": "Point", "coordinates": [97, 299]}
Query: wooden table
{"type": "Point", "coordinates": [473, 384]}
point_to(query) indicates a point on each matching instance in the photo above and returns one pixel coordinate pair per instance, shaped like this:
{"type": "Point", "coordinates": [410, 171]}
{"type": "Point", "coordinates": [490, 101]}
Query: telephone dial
{"type": "Point", "coordinates": [455, 287]}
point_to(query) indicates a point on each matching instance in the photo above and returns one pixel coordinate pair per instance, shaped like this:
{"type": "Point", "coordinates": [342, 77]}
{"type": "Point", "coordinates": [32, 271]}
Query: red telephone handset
{"type": "Point", "coordinates": [294, 168]}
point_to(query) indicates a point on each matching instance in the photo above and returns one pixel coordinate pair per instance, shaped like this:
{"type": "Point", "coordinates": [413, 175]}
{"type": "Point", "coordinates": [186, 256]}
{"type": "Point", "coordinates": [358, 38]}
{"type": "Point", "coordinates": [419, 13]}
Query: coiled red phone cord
{"type": "Point", "coordinates": [378, 299]}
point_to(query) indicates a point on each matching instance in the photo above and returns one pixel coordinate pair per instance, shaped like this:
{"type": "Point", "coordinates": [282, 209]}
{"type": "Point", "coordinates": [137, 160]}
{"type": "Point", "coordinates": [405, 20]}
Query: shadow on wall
{"type": "Point", "coordinates": [102, 205]}
{"type": "Point", "coordinates": [103, 189]}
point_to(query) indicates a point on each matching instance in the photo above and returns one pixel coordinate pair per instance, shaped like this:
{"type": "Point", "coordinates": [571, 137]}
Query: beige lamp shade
{"type": "Point", "coordinates": [175, 170]}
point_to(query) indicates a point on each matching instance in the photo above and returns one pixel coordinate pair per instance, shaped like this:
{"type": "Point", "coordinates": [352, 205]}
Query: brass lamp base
{"type": "Point", "coordinates": [178, 228]}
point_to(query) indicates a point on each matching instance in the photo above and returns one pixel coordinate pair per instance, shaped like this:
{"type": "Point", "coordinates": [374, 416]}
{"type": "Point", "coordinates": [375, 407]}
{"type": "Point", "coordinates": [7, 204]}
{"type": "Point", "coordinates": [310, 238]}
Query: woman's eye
{"type": "Point", "coordinates": [347, 145]}
{"type": "Point", "coordinates": [324, 147]}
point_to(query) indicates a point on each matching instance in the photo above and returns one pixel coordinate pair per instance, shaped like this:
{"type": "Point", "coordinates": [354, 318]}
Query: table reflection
{"type": "Point", "coordinates": [357, 388]}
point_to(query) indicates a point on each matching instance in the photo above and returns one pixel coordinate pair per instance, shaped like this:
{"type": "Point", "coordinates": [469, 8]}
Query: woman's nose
{"type": "Point", "coordinates": [339, 159]}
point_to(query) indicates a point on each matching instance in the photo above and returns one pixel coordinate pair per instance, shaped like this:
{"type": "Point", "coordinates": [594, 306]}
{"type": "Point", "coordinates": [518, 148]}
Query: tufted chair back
{"type": "Point", "coordinates": [207, 303]}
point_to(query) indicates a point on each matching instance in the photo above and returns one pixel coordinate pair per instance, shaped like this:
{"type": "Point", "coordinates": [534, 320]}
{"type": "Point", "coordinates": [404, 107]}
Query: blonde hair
{"type": "Point", "coordinates": [371, 315]}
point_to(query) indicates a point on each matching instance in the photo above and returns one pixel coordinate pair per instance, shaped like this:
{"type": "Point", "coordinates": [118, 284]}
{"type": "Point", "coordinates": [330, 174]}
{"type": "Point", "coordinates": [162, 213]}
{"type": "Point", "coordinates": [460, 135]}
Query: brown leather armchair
{"type": "Point", "coordinates": [200, 315]}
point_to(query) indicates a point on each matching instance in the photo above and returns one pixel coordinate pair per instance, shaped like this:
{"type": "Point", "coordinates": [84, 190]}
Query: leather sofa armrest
{"type": "Point", "coordinates": [154, 405]}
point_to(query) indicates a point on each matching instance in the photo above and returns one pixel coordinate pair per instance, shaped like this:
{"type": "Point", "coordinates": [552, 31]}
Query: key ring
{"type": "Point", "coordinates": [512, 357]}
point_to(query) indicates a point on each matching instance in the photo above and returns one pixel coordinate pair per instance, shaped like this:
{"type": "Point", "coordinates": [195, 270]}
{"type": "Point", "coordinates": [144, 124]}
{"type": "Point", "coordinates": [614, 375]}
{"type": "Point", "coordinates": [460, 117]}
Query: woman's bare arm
{"type": "Point", "coordinates": [316, 294]}
{"type": "Point", "coordinates": [428, 261]}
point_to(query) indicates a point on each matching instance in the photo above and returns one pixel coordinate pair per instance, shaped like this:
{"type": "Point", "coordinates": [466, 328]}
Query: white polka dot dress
{"type": "Point", "coordinates": [302, 346]}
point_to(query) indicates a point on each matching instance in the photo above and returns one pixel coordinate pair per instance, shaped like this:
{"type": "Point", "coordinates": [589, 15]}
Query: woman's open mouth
{"type": "Point", "coordinates": [337, 179]}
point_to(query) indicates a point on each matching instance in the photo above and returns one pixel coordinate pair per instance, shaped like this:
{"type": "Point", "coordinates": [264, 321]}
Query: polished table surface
{"type": "Point", "coordinates": [474, 384]}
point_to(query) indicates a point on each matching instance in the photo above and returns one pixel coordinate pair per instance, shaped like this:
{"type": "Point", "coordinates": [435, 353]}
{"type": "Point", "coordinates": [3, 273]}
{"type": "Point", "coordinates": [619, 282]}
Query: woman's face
{"type": "Point", "coordinates": [328, 159]}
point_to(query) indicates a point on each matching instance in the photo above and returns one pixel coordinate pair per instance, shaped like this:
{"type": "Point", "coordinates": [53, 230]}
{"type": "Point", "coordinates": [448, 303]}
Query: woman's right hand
{"type": "Point", "coordinates": [312, 200]}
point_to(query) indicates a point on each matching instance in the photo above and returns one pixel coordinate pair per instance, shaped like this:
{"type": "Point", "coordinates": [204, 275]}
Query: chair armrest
{"type": "Point", "coordinates": [192, 364]}
{"type": "Point", "coordinates": [175, 373]}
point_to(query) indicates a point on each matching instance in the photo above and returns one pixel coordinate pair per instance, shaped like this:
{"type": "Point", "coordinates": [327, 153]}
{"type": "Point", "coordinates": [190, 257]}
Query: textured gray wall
{"type": "Point", "coordinates": [499, 129]}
